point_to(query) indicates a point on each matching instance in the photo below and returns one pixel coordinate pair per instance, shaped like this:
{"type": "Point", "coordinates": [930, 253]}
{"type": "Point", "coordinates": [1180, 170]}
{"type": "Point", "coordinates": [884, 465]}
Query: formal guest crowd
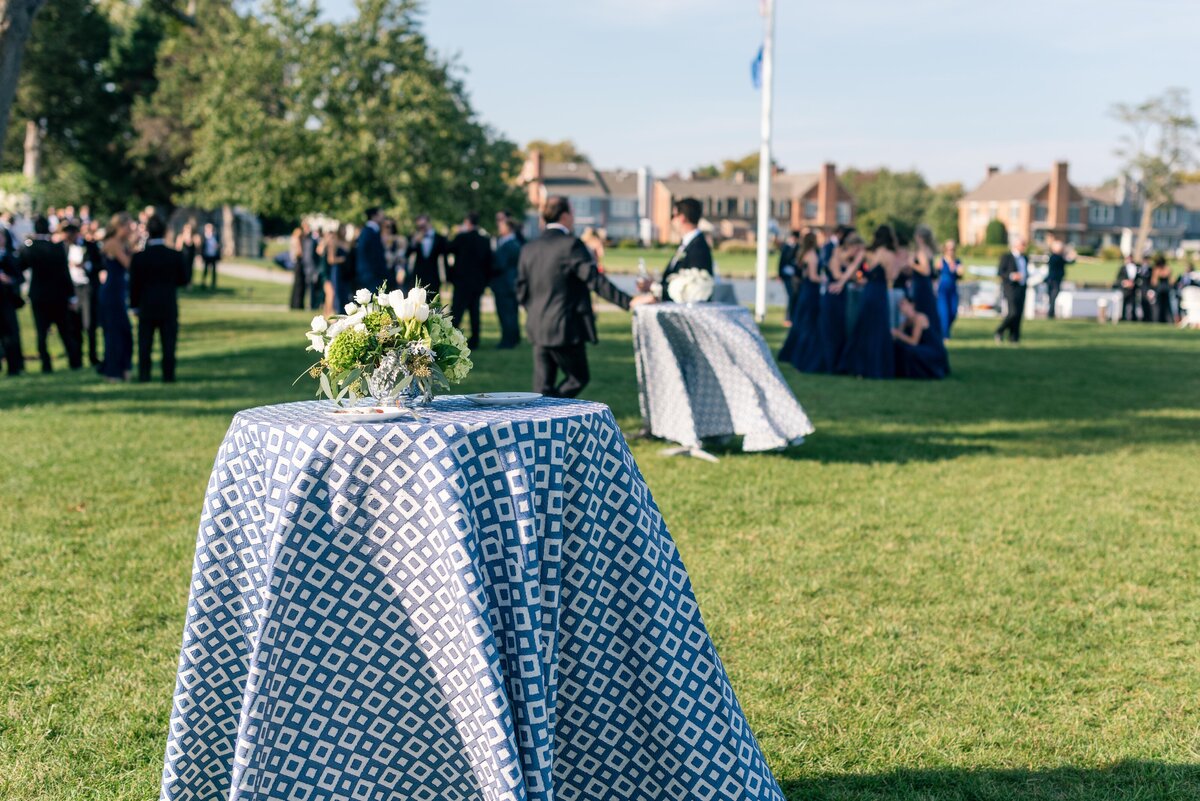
{"type": "Point", "coordinates": [84, 281]}
{"type": "Point", "coordinates": [869, 309]}
{"type": "Point", "coordinates": [1150, 293]}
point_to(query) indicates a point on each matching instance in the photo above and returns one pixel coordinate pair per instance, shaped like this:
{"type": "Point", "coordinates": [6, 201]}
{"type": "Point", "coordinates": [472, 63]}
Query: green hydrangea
{"type": "Point", "coordinates": [456, 372]}
{"type": "Point", "coordinates": [346, 350]}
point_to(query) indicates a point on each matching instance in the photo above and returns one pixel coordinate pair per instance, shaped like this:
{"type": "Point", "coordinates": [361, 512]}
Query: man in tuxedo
{"type": "Point", "coordinates": [1060, 256]}
{"type": "Point", "coordinates": [427, 252]}
{"type": "Point", "coordinates": [1128, 281]}
{"type": "Point", "coordinates": [504, 281]}
{"type": "Point", "coordinates": [469, 274]}
{"type": "Point", "coordinates": [11, 279]}
{"type": "Point", "coordinates": [83, 259]}
{"type": "Point", "coordinates": [787, 272]}
{"type": "Point", "coordinates": [52, 294]}
{"type": "Point", "coordinates": [210, 252]}
{"type": "Point", "coordinates": [155, 275]}
{"type": "Point", "coordinates": [1014, 280]}
{"type": "Point", "coordinates": [372, 259]}
{"type": "Point", "coordinates": [556, 276]}
{"type": "Point", "coordinates": [693, 250]}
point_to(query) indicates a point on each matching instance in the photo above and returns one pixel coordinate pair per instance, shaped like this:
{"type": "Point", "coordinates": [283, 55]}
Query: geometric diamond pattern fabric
{"type": "Point", "coordinates": [481, 605]}
{"type": "Point", "coordinates": [704, 370]}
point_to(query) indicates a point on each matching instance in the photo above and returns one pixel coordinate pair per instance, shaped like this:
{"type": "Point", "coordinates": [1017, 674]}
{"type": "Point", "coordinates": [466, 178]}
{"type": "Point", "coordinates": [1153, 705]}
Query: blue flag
{"type": "Point", "coordinates": [756, 69]}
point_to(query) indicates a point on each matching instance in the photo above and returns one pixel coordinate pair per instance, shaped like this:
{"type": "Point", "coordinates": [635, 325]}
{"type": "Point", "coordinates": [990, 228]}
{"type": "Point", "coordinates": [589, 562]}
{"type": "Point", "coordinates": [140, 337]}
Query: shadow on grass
{"type": "Point", "coordinates": [1123, 780]}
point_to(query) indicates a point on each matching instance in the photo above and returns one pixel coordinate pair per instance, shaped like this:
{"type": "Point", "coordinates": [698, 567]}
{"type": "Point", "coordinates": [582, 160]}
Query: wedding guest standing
{"type": "Point", "coordinates": [155, 275]}
{"type": "Point", "coordinates": [1127, 282]}
{"type": "Point", "coordinates": [1014, 279]}
{"type": "Point", "coordinates": [844, 263]}
{"type": "Point", "coordinates": [469, 274]}
{"type": "Point", "coordinates": [788, 273]}
{"type": "Point", "coordinates": [51, 294]}
{"type": "Point", "coordinates": [869, 352]}
{"type": "Point", "coordinates": [11, 279]}
{"type": "Point", "coordinates": [331, 253]}
{"type": "Point", "coordinates": [372, 259]}
{"type": "Point", "coordinates": [296, 257]}
{"type": "Point", "coordinates": [802, 348]}
{"type": "Point", "coordinates": [693, 251]}
{"type": "Point", "coordinates": [555, 278]}
{"type": "Point", "coordinates": [114, 311]}
{"type": "Point", "coordinates": [504, 282]}
{"type": "Point", "coordinates": [426, 257]}
{"type": "Point", "coordinates": [950, 269]}
{"type": "Point", "coordinates": [210, 252]}
{"type": "Point", "coordinates": [1160, 291]}
{"type": "Point", "coordinates": [188, 244]}
{"type": "Point", "coordinates": [1060, 256]}
{"type": "Point", "coordinates": [920, 282]}
{"type": "Point", "coordinates": [83, 260]}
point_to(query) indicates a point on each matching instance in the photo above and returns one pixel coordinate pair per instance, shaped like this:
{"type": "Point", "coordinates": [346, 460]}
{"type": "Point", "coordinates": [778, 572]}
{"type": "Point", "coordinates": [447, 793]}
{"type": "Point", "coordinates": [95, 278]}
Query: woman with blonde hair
{"type": "Point", "coordinates": [116, 251]}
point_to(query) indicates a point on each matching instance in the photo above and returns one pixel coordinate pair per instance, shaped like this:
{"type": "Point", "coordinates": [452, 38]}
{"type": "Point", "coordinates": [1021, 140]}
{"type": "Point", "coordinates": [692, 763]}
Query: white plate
{"type": "Point", "coordinates": [503, 398]}
{"type": "Point", "coordinates": [369, 414]}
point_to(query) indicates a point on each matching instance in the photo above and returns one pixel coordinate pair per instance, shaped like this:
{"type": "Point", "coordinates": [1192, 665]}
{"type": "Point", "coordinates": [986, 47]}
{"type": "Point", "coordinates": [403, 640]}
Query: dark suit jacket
{"type": "Point", "coordinates": [787, 259]}
{"type": "Point", "coordinates": [1008, 266]}
{"type": "Point", "coordinates": [556, 276]}
{"type": "Point", "coordinates": [1121, 276]}
{"type": "Point", "coordinates": [696, 255]}
{"type": "Point", "coordinates": [49, 277]}
{"type": "Point", "coordinates": [472, 261]}
{"type": "Point", "coordinates": [425, 268]}
{"type": "Point", "coordinates": [155, 275]}
{"type": "Point", "coordinates": [371, 266]}
{"type": "Point", "coordinates": [504, 262]}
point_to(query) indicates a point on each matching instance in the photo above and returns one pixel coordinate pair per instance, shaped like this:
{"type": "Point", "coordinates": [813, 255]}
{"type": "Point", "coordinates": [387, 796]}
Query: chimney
{"type": "Point", "coordinates": [739, 177]}
{"type": "Point", "coordinates": [1060, 195]}
{"type": "Point", "coordinates": [992, 170]}
{"type": "Point", "coordinates": [531, 175]}
{"type": "Point", "coordinates": [827, 196]}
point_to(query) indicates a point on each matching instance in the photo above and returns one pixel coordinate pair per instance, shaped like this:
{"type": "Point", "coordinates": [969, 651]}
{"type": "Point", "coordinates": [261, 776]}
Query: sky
{"type": "Point", "coordinates": [943, 86]}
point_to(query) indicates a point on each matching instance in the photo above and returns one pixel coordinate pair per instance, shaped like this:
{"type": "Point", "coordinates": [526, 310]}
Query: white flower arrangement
{"type": "Point", "coordinates": [692, 285]}
{"type": "Point", "coordinates": [388, 342]}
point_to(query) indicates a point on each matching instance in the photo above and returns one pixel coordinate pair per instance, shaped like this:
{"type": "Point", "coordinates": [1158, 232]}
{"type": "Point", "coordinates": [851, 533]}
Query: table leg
{"type": "Point", "coordinates": [695, 453]}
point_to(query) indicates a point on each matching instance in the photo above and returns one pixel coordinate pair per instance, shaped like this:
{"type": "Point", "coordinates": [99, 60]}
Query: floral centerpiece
{"type": "Point", "coordinates": [388, 346]}
{"type": "Point", "coordinates": [692, 285]}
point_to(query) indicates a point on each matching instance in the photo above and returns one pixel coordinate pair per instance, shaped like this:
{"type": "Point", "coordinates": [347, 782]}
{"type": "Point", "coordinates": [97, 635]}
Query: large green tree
{"type": "Point", "coordinates": [562, 151]}
{"type": "Point", "coordinates": [942, 212]}
{"type": "Point", "coordinates": [883, 197]}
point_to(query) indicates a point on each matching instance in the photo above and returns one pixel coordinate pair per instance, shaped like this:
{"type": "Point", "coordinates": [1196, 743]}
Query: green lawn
{"type": "Point", "coordinates": [979, 589]}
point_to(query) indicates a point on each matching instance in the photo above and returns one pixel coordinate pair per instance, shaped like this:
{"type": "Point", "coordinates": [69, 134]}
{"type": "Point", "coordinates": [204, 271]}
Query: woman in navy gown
{"type": "Point", "coordinates": [114, 306]}
{"type": "Point", "coordinates": [950, 269]}
{"type": "Point", "coordinates": [843, 264]}
{"type": "Point", "coordinates": [802, 348]}
{"type": "Point", "coordinates": [869, 352]}
{"type": "Point", "coordinates": [920, 285]}
{"type": "Point", "coordinates": [920, 352]}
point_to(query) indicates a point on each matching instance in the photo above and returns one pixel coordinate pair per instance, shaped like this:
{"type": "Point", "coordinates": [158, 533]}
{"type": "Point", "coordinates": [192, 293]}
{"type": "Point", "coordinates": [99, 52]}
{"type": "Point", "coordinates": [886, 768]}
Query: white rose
{"type": "Point", "coordinates": [360, 328]}
{"type": "Point", "coordinates": [319, 324]}
{"type": "Point", "coordinates": [351, 308]}
{"type": "Point", "coordinates": [316, 343]}
{"type": "Point", "coordinates": [417, 295]}
{"type": "Point", "coordinates": [363, 296]}
{"type": "Point", "coordinates": [394, 298]}
{"type": "Point", "coordinates": [422, 312]}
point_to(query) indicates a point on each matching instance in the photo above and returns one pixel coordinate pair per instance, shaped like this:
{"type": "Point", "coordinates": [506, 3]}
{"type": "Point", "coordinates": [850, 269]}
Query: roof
{"type": "Point", "coordinates": [1018, 185]}
{"type": "Point", "coordinates": [1100, 194]}
{"type": "Point", "coordinates": [570, 178]}
{"type": "Point", "coordinates": [620, 183]}
{"type": "Point", "coordinates": [783, 187]}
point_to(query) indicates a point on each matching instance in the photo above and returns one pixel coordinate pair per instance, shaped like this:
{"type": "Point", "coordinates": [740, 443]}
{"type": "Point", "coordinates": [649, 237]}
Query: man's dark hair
{"type": "Point", "coordinates": [555, 207]}
{"type": "Point", "coordinates": [690, 208]}
{"type": "Point", "coordinates": [156, 227]}
{"type": "Point", "coordinates": [372, 211]}
{"type": "Point", "coordinates": [41, 225]}
{"type": "Point", "coordinates": [473, 218]}
{"type": "Point", "coordinates": [71, 228]}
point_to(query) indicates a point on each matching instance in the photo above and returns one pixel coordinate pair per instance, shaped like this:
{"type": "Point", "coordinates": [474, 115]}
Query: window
{"type": "Point", "coordinates": [1074, 217]}
{"type": "Point", "coordinates": [1100, 214]}
{"type": "Point", "coordinates": [993, 210]}
{"type": "Point", "coordinates": [708, 207]}
{"type": "Point", "coordinates": [810, 209]}
{"type": "Point", "coordinates": [623, 208]}
{"type": "Point", "coordinates": [731, 206]}
{"type": "Point", "coordinates": [1014, 212]}
{"type": "Point", "coordinates": [785, 208]}
{"type": "Point", "coordinates": [843, 212]}
{"type": "Point", "coordinates": [1040, 212]}
{"type": "Point", "coordinates": [974, 209]}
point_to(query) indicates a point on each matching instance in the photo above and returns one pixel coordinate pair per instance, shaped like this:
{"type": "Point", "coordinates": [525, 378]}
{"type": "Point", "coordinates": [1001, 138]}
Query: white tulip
{"type": "Point", "coordinates": [422, 312]}
{"type": "Point", "coordinates": [407, 309]}
{"type": "Point", "coordinates": [417, 295]}
{"type": "Point", "coordinates": [360, 328]}
{"type": "Point", "coordinates": [319, 324]}
{"type": "Point", "coordinates": [317, 343]}
{"type": "Point", "coordinates": [363, 296]}
{"type": "Point", "coordinates": [351, 308]}
{"type": "Point", "coordinates": [394, 298]}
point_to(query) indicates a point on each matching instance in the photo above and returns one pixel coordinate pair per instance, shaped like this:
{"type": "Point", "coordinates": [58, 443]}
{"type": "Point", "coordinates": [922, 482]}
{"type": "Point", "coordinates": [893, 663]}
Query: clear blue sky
{"type": "Point", "coordinates": [945, 86]}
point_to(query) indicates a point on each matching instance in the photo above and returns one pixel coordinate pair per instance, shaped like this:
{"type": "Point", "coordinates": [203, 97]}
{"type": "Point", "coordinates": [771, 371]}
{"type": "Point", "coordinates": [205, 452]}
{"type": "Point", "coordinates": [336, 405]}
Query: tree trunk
{"type": "Point", "coordinates": [33, 152]}
{"type": "Point", "coordinates": [1143, 234]}
{"type": "Point", "coordinates": [228, 232]}
{"type": "Point", "coordinates": [16, 20]}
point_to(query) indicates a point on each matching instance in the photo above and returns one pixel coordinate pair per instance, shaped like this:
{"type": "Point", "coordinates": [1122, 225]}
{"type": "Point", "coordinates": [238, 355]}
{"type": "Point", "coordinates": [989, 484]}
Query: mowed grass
{"type": "Point", "coordinates": [984, 588]}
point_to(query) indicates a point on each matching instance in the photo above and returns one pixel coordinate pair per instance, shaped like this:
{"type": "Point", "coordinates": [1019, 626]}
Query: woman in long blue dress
{"type": "Point", "coordinates": [920, 284]}
{"type": "Point", "coordinates": [114, 304]}
{"type": "Point", "coordinates": [843, 264]}
{"type": "Point", "coordinates": [920, 353]}
{"type": "Point", "coordinates": [869, 352]}
{"type": "Point", "coordinates": [950, 269]}
{"type": "Point", "coordinates": [802, 348]}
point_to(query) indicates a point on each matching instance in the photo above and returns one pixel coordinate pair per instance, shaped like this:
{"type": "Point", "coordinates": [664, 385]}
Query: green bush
{"type": "Point", "coordinates": [996, 234]}
{"type": "Point", "coordinates": [1111, 253]}
{"type": "Point", "coordinates": [1084, 250]}
{"type": "Point", "coordinates": [737, 246]}
{"type": "Point", "coordinates": [627, 244]}
{"type": "Point", "coordinates": [982, 251]}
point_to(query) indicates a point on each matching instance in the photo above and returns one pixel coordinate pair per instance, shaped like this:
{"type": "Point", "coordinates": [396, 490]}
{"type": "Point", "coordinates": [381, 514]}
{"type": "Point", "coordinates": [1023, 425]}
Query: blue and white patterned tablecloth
{"type": "Point", "coordinates": [482, 605]}
{"type": "Point", "coordinates": [704, 370]}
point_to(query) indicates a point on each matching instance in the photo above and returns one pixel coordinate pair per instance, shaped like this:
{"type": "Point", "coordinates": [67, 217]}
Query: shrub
{"type": "Point", "coordinates": [1111, 253]}
{"type": "Point", "coordinates": [627, 244]}
{"type": "Point", "coordinates": [982, 251]}
{"type": "Point", "coordinates": [996, 234]}
{"type": "Point", "coordinates": [737, 246]}
{"type": "Point", "coordinates": [1084, 250]}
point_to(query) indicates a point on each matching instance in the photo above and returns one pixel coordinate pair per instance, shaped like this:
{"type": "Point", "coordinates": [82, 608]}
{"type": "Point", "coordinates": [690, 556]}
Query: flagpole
{"type": "Point", "coordinates": [764, 163]}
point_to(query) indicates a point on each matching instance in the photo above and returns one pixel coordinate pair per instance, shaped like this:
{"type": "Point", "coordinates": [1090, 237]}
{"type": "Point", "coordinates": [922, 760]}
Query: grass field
{"type": "Point", "coordinates": [980, 589]}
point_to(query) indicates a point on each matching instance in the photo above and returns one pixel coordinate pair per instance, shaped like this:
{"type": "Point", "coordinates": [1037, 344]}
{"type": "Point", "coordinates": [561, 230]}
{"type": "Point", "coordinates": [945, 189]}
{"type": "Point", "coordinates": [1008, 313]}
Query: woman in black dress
{"type": "Point", "coordinates": [920, 352]}
{"type": "Point", "coordinates": [802, 348]}
{"type": "Point", "coordinates": [869, 352]}
{"type": "Point", "coordinates": [114, 305]}
{"type": "Point", "coordinates": [1160, 290]}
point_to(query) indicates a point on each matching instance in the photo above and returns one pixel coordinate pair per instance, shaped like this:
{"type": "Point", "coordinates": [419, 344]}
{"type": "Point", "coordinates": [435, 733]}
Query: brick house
{"type": "Point", "coordinates": [1032, 204]}
{"type": "Point", "coordinates": [611, 200]}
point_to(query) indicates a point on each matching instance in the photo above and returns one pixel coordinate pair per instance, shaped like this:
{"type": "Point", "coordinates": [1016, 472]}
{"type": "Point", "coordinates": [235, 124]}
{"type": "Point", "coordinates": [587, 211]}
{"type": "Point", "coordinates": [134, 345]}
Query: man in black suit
{"type": "Point", "coordinates": [210, 253]}
{"type": "Point", "coordinates": [155, 275]}
{"type": "Point", "coordinates": [1014, 279]}
{"type": "Point", "coordinates": [52, 295]}
{"type": "Point", "coordinates": [11, 279]}
{"type": "Point", "coordinates": [1061, 255]}
{"type": "Point", "coordinates": [470, 273]}
{"type": "Point", "coordinates": [693, 250]}
{"type": "Point", "coordinates": [371, 263]}
{"type": "Point", "coordinates": [427, 251]}
{"type": "Point", "coordinates": [787, 272]}
{"type": "Point", "coordinates": [1128, 281]}
{"type": "Point", "coordinates": [83, 259]}
{"type": "Point", "coordinates": [556, 275]}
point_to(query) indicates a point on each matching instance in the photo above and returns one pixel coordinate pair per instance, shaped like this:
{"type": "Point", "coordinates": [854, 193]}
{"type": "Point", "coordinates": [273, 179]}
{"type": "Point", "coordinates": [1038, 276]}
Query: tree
{"type": "Point", "coordinates": [747, 165]}
{"type": "Point", "coordinates": [1159, 145]}
{"type": "Point", "coordinates": [16, 23]}
{"type": "Point", "coordinates": [558, 152]}
{"type": "Point", "coordinates": [883, 197]}
{"type": "Point", "coordinates": [995, 233]}
{"type": "Point", "coordinates": [942, 212]}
